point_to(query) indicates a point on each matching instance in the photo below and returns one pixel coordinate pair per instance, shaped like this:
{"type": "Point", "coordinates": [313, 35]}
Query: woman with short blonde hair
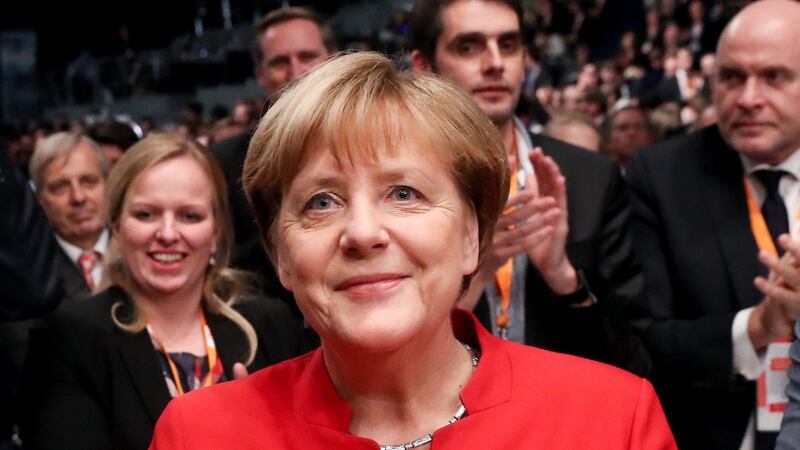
{"type": "Point", "coordinates": [377, 193]}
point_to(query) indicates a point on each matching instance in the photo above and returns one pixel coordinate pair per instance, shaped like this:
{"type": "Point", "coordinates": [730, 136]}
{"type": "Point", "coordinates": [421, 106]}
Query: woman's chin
{"type": "Point", "coordinates": [379, 336]}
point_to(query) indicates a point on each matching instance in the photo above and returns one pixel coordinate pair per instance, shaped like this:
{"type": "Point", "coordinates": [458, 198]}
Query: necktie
{"type": "Point", "coordinates": [88, 260]}
{"type": "Point", "coordinates": [773, 208]}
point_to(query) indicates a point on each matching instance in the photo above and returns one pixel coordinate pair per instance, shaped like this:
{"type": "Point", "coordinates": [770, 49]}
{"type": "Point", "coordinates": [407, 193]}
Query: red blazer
{"type": "Point", "coordinates": [519, 397]}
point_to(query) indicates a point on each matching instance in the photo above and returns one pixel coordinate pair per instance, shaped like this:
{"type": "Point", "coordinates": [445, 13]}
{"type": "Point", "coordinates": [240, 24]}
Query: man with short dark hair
{"type": "Point", "coordinates": [288, 43]}
{"type": "Point", "coordinates": [562, 285]}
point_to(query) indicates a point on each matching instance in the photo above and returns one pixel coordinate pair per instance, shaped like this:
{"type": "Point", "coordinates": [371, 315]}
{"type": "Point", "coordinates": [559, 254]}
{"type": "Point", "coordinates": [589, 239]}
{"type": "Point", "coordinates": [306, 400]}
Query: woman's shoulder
{"type": "Point", "coordinates": [90, 313]}
{"type": "Point", "coordinates": [263, 403]}
{"type": "Point", "coordinates": [568, 374]}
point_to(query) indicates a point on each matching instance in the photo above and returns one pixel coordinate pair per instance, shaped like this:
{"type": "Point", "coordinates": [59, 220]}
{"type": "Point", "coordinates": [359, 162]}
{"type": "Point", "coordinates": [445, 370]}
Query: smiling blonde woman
{"type": "Point", "coordinates": [172, 317]}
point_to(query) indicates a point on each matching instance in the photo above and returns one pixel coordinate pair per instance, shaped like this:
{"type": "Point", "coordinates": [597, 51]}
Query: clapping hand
{"type": "Point", "coordinates": [774, 317]}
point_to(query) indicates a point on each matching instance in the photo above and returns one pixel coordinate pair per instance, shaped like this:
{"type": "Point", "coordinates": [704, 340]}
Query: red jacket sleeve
{"type": "Point", "coordinates": [650, 430]}
{"type": "Point", "coordinates": [168, 434]}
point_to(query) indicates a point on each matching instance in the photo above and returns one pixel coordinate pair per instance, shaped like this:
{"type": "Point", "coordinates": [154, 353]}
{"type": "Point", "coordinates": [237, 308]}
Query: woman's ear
{"type": "Point", "coordinates": [283, 272]}
{"type": "Point", "coordinates": [471, 244]}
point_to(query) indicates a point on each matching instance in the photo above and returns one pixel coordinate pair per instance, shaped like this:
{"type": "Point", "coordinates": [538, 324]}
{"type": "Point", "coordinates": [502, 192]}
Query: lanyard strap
{"type": "Point", "coordinates": [214, 366]}
{"type": "Point", "coordinates": [502, 278]}
{"type": "Point", "coordinates": [757, 223]}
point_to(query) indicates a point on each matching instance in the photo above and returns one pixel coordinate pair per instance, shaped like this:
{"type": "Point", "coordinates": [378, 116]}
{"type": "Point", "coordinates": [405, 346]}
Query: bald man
{"type": "Point", "coordinates": [709, 319]}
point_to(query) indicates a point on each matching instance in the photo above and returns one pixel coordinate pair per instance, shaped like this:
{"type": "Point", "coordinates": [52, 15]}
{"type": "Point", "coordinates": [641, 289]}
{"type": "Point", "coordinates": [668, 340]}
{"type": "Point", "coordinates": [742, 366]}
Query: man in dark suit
{"type": "Point", "coordinates": [560, 272]}
{"type": "Point", "coordinates": [27, 250]}
{"type": "Point", "coordinates": [288, 43]}
{"type": "Point", "coordinates": [69, 171]}
{"type": "Point", "coordinates": [27, 261]}
{"type": "Point", "coordinates": [698, 201]}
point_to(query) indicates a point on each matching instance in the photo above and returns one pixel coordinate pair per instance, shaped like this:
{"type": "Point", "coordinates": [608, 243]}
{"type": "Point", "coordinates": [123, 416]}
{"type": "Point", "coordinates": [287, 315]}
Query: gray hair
{"type": "Point", "coordinates": [58, 145]}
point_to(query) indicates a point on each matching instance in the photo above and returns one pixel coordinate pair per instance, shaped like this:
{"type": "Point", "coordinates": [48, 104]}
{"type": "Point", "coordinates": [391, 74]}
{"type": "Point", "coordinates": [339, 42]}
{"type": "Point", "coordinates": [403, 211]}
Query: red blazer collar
{"type": "Point", "coordinates": [318, 402]}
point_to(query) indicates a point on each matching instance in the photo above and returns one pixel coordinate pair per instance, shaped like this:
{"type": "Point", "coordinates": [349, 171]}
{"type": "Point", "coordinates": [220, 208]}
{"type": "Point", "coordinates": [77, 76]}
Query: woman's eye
{"type": "Point", "coordinates": [321, 202]}
{"type": "Point", "coordinates": [404, 193]}
{"type": "Point", "coordinates": [142, 215]}
{"type": "Point", "coordinates": [192, 216]}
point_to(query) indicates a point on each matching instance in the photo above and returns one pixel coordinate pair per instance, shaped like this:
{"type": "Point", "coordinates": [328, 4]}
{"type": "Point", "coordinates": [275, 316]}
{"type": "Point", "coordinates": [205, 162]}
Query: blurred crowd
{"type": "Point", "coordinates": [582, 68]}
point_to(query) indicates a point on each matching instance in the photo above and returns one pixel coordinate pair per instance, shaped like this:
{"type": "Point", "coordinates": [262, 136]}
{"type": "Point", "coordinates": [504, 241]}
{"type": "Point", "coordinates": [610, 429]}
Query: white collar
{"type": "Point", "coordinates": [790, 165]}
{"type": "Point", "coordinates": [74, 252]}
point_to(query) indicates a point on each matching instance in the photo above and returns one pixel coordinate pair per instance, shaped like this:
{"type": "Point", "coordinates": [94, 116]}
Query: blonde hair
{"type": "Point", "coordinates": [222, 285]}
{"type": "Point", "coordinates": [358, 104]}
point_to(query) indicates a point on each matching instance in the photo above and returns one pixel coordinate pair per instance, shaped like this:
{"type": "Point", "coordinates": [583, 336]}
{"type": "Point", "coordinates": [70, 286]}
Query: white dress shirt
{"type": "Point", "coordinates": [746, 361]}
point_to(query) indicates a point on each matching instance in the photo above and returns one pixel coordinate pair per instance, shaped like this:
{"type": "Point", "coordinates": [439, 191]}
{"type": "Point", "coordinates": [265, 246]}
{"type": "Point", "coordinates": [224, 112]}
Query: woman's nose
{"type": "Point", "coordinates": [166, 232]}
{"type": "Point", "coordinates": [364, 232]}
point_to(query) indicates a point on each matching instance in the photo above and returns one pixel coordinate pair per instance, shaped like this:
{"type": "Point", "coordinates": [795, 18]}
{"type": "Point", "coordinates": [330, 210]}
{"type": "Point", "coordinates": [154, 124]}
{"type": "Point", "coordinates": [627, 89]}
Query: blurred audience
{"type": "Point", "coordinates": [115, 137]}
{"type": "Point", "coordinates": [628, 129]}
{"type": "Point", "coordinates": [575, 129]}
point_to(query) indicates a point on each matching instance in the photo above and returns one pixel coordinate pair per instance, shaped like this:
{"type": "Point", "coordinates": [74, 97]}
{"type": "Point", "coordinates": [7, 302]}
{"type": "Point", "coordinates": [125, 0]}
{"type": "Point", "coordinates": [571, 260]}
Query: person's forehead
{"type": "Point", "coordinates": [81, 160]}
{"type": "Point", "coordinates": [486, 17]}
{"type": "Point", "coordinates": [292, 35]}
{"type": "Point", "coordinates": [629, 115]}
{"type": "Point", "coordinates": [757, 54]}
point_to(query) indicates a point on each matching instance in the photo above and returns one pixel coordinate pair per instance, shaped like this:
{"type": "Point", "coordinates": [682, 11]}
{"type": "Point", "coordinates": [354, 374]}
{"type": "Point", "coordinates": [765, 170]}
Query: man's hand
{"type": "Point", "coordinates": [774, 317]}
{"type": "Point", "coordinates": [549, 254]}
{"type": "Point", "coordinates": [523, 223]}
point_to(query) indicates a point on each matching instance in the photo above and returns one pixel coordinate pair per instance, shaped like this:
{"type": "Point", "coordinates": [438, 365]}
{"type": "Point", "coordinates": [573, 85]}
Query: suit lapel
{"type": "Point", "coordinates": [723, 188]}
{"type": "Point", "coordinates": [230, 341]}
{"type": "Point", "coordinates": [144, 370]}
{"type": "Point", "coordinates": [75, 286]}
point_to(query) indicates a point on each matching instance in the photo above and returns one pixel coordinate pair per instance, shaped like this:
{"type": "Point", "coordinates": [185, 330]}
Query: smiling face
{"type": "Point", "coordinates": [167, 229]}
{"type": "Point", "coordinates": [480, 48]}
{"type": "Point", "coordinates": [757, 83]}
{"type": "Point", "coordinates": [375, 250]}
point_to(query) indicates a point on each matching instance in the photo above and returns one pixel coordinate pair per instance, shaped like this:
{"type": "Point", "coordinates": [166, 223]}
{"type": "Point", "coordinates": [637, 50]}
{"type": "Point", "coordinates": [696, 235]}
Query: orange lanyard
{"type": "Point", "coordinates": [211, 353]}
{"type": "Point", "coordinates": [757, 223]}
{"type": "Point", "coordinates": [502, 278]}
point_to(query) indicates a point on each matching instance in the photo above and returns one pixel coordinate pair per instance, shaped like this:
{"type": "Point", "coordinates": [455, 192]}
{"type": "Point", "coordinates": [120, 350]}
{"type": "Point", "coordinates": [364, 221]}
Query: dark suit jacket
{"type": "Point", "coordinates": [89, 385]}
{"type": "Point", "coordinates": [600, 244]}
{"type": "Point", "coordinates": [27, 250]}
{"type": "Point", "coordinates": [35, 276]}
{"type": "Point", "coordinates": [700, 257]}
{"type": "Point", "coordinates": [14, 335]}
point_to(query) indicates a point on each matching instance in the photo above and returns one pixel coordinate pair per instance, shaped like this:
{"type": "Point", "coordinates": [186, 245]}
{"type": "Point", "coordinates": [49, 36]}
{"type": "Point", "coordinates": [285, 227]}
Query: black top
{"type": "Point", "coordinates": [90, 385]}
